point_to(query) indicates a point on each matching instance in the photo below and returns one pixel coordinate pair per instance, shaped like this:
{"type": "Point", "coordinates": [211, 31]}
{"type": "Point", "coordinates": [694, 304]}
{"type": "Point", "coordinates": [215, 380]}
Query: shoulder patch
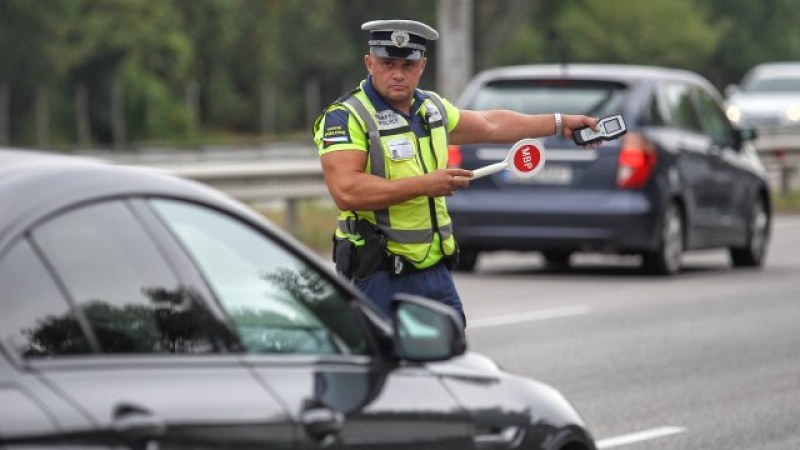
{"type": "Point", "coordinates": [336, 129]}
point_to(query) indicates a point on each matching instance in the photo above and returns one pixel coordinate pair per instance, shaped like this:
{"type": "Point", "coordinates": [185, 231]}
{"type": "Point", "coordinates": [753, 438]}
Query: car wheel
{"type": "Point", "coordinates": [752, 254]}
{"type": "Point", "coordinates": [467, 259]}
{"type": "Point", "coordinates": [557, 259]}
{"type": "Point", "coordinates": [666, 260]}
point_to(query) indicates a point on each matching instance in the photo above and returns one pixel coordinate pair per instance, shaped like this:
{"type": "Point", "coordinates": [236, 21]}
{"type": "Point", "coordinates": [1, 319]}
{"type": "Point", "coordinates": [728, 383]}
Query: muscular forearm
{"type": "Point", "coordinates": [504, 126]}
{"type": "Point", "coordinates": [354, 189]}
{"type": "Point", "coordinates": [365, 192]}
{"type": "Point", "coordinates": [507, 126]}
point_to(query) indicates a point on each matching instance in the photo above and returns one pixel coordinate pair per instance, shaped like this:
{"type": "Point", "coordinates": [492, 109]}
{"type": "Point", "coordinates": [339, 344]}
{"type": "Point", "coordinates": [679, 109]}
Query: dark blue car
{"type": "Point", "coordinates": [682, 178]}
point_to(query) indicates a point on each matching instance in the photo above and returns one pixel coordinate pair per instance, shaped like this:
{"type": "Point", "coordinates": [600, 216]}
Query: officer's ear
{"type": "Point", "coordinates": [368, 60]}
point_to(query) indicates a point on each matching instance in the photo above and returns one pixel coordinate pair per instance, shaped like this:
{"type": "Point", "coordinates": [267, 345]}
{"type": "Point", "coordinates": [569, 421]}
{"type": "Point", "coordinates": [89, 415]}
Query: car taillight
{"type": "Point", "coordinates": [453, 156]}
{"type": "Point", "coordinates": [636, 162]}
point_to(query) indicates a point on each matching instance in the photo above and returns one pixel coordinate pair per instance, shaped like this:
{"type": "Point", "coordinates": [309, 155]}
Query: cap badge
{"type": "Point", "coordinates": [400, 38]}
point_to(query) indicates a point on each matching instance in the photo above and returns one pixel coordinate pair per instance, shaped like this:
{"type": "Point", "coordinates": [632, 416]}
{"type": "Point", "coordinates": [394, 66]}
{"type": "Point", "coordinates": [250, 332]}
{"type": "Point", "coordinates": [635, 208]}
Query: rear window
{"type": "Point", "coordinates": [545, 96]}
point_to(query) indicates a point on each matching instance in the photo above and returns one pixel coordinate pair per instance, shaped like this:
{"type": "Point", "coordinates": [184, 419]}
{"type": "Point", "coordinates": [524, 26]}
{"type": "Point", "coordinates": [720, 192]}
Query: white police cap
{"type": "Point", "coordinates": [399, 39]}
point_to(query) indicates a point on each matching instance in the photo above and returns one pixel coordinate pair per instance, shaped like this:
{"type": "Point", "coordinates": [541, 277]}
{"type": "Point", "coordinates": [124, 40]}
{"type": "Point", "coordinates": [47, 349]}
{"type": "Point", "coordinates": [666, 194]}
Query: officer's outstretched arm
{"type": "Point", "coordinates": [354, 189]}
{"type": "Point", "coordinates": [503, 126]}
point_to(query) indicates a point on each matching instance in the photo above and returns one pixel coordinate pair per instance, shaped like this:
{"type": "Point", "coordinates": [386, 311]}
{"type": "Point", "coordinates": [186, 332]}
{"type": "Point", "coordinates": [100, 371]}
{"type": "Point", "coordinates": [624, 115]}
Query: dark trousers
{"type": "Point", "coordinates": [435, 283]}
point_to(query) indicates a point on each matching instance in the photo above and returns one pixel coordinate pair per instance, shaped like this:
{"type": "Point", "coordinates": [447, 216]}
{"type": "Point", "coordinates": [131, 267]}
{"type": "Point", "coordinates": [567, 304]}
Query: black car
{"type": "Point", "coordinates": [682, 178]}
{"type": "Point", "coordinates": [143, 311]}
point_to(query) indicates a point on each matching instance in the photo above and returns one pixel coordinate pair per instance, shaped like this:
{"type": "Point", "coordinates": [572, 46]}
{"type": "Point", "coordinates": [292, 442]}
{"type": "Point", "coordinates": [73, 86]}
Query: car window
{"type": "Point", "coordinates": [277, 302]}
{"type": "Point", "coordinates": [37, 320]}
{"type": "Point", "coordinates": [118, 279]}
{"type": "Point", "coordinates": [651, 114]}
{"type": "Point", "coordinates": [776, 84]}
{"type": "Point", "coordinates": [678, 98]}
{"type": "Point", "coordinates": [713, 121]}
{"type": "Point", "coordinates": [598, 98]}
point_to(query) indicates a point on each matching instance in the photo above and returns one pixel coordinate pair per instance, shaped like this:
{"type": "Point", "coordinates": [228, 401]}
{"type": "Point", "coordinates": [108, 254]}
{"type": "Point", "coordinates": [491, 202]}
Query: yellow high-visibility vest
{"type": "Point", "coordinates": [418, 229]}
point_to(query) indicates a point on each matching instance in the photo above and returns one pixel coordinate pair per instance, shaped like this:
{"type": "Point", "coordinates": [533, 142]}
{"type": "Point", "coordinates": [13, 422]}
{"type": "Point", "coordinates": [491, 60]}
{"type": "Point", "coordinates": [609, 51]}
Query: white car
{"type": "Point", "coordinates": [768, 99]}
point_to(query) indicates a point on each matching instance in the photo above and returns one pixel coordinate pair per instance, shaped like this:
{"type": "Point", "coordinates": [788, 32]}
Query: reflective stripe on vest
{"type": "Point", "coordinates": [401, 236]}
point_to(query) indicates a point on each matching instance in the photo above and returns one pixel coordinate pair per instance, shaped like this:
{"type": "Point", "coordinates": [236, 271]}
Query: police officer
{"type": "Point", "coordinates": [383, 149]}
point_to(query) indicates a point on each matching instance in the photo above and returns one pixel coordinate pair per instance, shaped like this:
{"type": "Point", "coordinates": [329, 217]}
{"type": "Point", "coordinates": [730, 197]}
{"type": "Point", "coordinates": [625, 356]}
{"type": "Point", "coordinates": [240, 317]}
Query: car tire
{"type": "Point", "coordinates": [556, 259]}
{"type": "Point", "coordinates": [467, 260]}
{"type": "Point", "coordinates": [753, 254]}
{"type": "Point", "coordinates": [666, 260]}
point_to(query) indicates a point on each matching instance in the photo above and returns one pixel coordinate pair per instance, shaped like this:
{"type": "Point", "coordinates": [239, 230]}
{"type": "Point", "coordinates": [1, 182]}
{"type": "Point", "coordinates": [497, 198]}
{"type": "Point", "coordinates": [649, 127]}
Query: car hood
{"type": "Point", "coordinates": [765, 102]}
{"type": "Point", "coordinates": [468, 364]}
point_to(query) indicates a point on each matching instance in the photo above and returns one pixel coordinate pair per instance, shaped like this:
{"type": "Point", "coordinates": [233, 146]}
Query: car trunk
{"type": "Point", "coordinates": [567, 166]}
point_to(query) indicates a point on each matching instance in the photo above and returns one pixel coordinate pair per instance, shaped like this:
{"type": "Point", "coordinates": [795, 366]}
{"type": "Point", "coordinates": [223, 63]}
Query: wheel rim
{"type": "Point", "coordinates": [673, 240]}
{"type": "Point", "coordinates": [759, 230]}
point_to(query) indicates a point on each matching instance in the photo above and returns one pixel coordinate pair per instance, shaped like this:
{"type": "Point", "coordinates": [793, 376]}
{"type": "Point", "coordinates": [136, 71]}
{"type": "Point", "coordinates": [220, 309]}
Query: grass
{"type": "Point", "coordinates": [316, 220]}
{"type": "Point", "coordinates": [787, 204]}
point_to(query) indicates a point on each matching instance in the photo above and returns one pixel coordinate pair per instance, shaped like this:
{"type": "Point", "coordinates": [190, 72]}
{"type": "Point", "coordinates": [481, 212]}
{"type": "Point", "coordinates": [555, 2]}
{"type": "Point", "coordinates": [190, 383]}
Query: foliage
{"type": "Point", "coordinates": [759, 32]}
{"type": "Point", "coordinates": [192, 68]}
{"type": "Point", "coordinates": [676, 33]}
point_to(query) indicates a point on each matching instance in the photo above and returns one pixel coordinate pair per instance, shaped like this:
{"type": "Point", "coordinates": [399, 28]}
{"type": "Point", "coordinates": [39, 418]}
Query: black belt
{"type": "Point", "coordinates": [397, 265]}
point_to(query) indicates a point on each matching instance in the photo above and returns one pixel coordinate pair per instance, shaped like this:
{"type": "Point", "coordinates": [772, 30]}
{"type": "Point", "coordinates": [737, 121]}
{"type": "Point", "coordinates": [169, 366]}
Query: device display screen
{"type": "Point", "coordinates": [612, 126]}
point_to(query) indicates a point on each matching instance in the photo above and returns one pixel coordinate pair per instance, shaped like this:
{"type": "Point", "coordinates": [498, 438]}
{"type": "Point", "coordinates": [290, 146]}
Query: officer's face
{"type": "Point", "coordinates": [395, 79]}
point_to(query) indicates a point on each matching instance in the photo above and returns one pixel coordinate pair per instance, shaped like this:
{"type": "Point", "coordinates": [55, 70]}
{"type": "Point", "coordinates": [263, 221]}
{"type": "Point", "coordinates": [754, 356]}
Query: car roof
{"type": "Point", "coordinates": [611, 72]}
{"type": "Point", "coordinates": [622, 73]}
{"type": "Point", "coordinates": [35, 184]}
{"type": "Point", "coordinates": [775, 69]}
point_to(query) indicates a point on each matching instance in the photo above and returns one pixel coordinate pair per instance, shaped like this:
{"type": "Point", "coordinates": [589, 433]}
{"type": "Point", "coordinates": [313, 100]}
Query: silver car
{"type": "Point", "coordinates": [768, 99]}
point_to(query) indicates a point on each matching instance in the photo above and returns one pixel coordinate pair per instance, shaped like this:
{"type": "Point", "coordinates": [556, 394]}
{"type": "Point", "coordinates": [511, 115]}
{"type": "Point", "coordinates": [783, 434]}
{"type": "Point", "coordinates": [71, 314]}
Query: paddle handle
{"type": "Point", "coordinates": [489, 170]}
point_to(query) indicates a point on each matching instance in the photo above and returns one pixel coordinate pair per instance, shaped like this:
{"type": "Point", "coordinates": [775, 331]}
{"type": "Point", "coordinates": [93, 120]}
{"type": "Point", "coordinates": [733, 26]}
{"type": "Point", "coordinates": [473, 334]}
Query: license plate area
{"type": "Point", "coordinates": [550, 174]}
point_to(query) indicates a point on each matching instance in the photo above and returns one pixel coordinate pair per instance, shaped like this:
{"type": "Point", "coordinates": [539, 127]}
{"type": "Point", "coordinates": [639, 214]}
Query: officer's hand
{"type": "Point", "coordinates": [446, 181]}
{"type": "Point", "coordinates": [575, 122]}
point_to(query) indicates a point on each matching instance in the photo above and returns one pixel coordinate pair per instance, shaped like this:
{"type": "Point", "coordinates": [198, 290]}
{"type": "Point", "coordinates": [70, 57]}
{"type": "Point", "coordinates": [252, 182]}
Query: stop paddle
{"type": "Point", "coordinates": [524, 160]}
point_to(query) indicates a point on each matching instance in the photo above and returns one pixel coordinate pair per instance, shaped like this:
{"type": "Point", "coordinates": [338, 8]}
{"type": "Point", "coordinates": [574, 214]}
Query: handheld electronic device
{"type": "Point", "coordinates": [609, 128]}
{"type": "Point", "coordinates": [525, 159]}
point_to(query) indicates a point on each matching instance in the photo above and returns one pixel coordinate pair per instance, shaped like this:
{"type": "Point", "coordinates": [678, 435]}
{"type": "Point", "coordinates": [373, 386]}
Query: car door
{"type": "Point", "coordinates": [308, 341]}
{"type": "Point", "coordinates": [694, 162]}
{"type": "Point", "coordinates": [31, 414]}
{"type": "Point", "coordinates": [130, 347]}
{"type": "Point", "coordinates": [732, 185]}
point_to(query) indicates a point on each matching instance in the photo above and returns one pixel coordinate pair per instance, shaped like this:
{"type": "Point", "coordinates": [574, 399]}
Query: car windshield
{"type": "Point", "coordinates": [545, 96]}
{"type": "Point", "coordinates": [783, 84]}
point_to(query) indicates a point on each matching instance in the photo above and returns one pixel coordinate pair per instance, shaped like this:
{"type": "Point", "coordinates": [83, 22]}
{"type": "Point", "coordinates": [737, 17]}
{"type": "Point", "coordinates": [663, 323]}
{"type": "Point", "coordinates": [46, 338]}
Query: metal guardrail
{"type": "Point", "coordinates": [290, 173]}
{"type": "Point", "coordinates": [780, 153]}
{"type": "Point", "coordinates": [260, 181]}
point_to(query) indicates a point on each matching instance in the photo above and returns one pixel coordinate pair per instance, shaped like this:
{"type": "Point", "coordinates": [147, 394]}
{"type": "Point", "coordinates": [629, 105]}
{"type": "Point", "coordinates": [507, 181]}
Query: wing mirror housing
{"type": "Point", "coordinates": [426, 330]}
{"type": "Point", "coordinates": [742, 135]}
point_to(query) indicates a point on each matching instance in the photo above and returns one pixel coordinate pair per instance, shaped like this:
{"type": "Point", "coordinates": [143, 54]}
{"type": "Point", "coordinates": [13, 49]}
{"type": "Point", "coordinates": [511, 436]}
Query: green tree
{"type": "Point", "coordinates": [679, 33]}
{"type": "Point", "coordinates": [760, 31]}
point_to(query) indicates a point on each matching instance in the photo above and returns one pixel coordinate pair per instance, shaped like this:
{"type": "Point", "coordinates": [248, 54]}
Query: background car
{"type": "Point", "coordinates": [140, 310]}
{"type": "Point", "coordinates": [767, 98]}
{"type": "Point", "coordinates": [682, 178]}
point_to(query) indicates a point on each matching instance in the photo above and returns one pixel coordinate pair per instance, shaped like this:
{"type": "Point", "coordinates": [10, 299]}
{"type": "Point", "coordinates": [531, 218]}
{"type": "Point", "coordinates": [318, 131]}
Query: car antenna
{"type": "Point", "coordinates": [557, 44]}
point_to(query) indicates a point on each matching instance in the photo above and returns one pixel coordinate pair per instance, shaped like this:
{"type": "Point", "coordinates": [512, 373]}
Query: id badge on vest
{"type": "Point", "coordinates": [401, 149]}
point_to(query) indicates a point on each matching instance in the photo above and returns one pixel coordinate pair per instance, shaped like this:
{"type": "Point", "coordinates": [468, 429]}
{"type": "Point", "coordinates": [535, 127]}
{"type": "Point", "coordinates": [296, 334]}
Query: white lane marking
{"type": "Point", "coordinates": [542, 314]}
{"type": "Point", "coordinates": [645, 435]}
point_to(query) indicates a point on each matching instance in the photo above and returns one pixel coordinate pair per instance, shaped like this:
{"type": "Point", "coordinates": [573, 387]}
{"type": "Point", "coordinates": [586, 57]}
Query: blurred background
{"type": "Point", "coordinates": [126, 77]}
{"type": "Point", "coordinates": [127, 73]}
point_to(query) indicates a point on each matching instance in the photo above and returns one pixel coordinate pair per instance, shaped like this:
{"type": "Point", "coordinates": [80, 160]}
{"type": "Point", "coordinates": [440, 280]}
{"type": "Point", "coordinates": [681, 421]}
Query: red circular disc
{"type": "Point", "coordinates": [527, 158]}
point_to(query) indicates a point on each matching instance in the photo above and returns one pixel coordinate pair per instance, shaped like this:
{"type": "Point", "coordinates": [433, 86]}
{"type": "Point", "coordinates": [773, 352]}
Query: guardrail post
{"type": "Point", "coordinates": [785, 171]}
{"type": "Point", "coordinates": [291, 214]}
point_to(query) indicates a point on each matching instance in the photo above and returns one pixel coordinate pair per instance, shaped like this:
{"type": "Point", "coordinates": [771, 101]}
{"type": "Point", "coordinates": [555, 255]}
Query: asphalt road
{"type": "Point", "coordinates": [709, 359]}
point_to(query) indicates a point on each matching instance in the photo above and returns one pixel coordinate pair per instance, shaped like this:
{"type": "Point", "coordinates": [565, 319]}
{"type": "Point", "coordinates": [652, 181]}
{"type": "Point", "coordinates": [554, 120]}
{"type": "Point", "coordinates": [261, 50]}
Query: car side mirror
{"type": "Point", "coordinates": [742, 135]}
{"type": "Point", "coordinates": [426, 330]}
